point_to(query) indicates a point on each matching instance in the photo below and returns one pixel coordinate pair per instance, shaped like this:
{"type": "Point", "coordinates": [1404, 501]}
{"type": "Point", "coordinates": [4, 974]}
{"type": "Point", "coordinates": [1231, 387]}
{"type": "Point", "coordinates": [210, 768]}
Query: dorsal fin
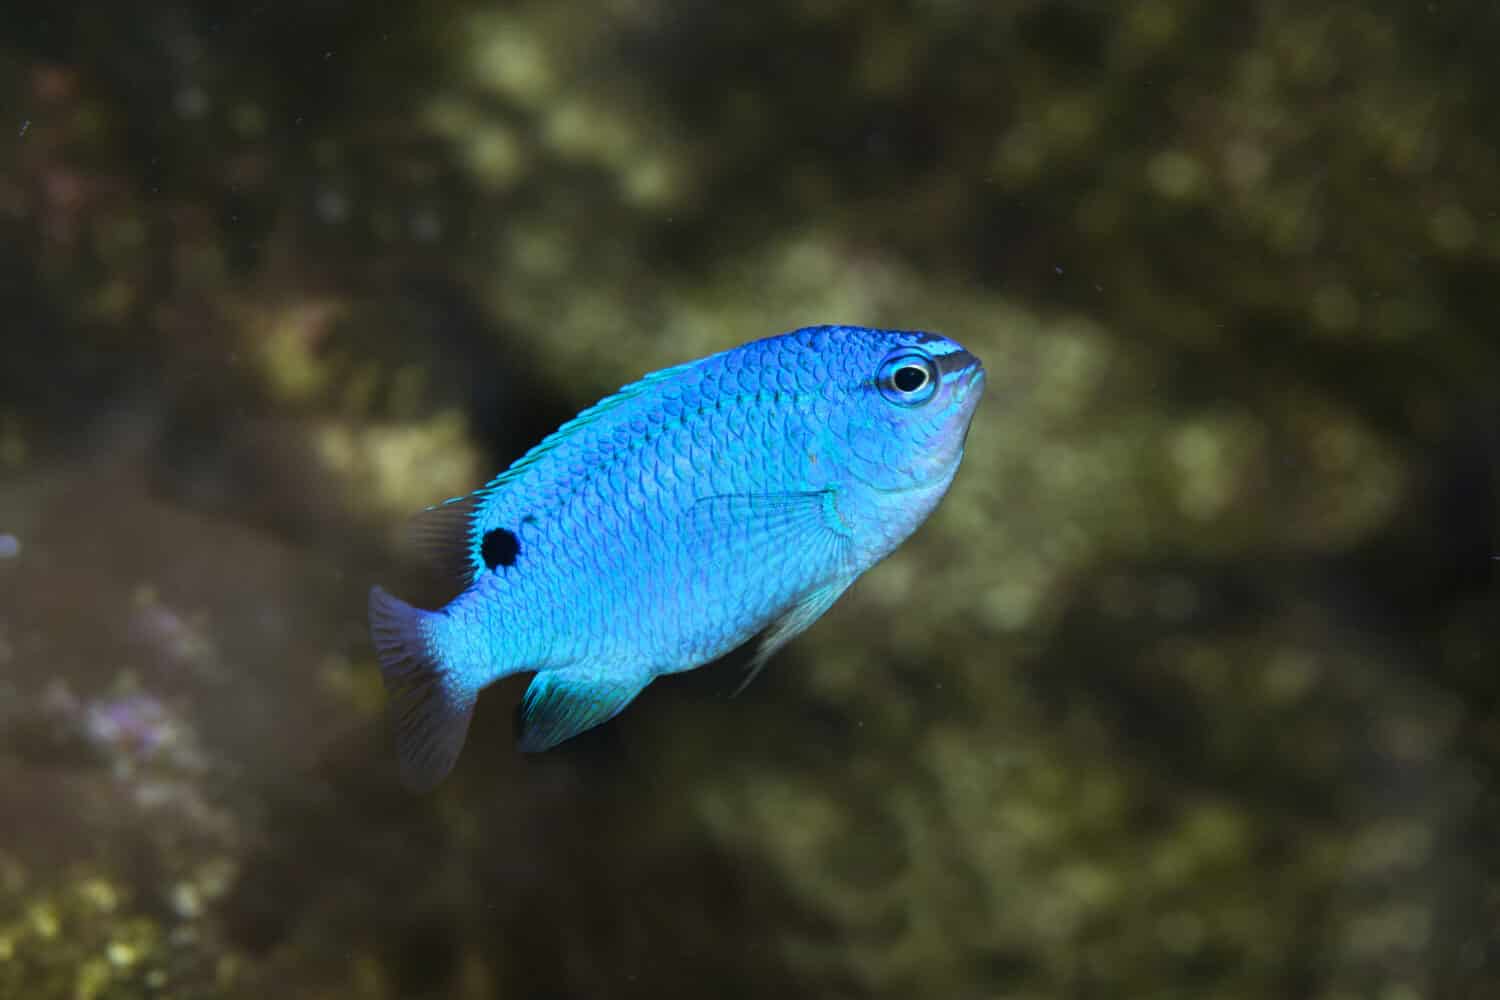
{"type": "Point", "coordinates": [587, 417]}
{"type": "Point", "coordinates": [448, 534]}
{"type": "Point", "coordinates": [444, 533]}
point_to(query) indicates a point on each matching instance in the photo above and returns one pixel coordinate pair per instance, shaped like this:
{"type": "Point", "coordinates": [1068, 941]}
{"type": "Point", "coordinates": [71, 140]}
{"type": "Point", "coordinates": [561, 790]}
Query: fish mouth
{"type": "Point", "coordinates": [968, 373]}
{"type": "Point", "coordinates": [963, 371]}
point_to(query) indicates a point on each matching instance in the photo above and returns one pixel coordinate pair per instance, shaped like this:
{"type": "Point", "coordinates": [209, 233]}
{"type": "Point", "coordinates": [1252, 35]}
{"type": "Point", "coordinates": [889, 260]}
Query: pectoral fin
{"type": "Point", "coordinates": [751, 530]}
{"type": "Point", "coordinates": [766, 532]}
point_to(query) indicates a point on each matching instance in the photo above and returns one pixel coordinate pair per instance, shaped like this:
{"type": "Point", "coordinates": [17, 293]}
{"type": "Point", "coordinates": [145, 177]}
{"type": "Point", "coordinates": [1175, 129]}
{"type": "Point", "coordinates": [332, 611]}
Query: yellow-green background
{"type": "Point", "coordinates": [1190, 689]}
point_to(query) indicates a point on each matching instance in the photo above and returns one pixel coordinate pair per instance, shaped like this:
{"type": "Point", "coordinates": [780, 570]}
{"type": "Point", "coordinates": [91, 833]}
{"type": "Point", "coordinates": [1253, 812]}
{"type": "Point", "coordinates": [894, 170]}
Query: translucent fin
{"type": "Point", "coordinates": [429, 707]}
{"type": "Point", "coordinates": [560, 704]}
{"type": "Point", "coordinates": [447, 534]}
{"type": "Point", "coordinates": [444, 533]}
{"type": "Point", "coordinates": [609, 405]}
{"type": "Point", "coordinates": [752, 529]}
{"type": "Point", "coordinates": [792, 624]}
{"type": "Point", "coordinates": [759, 532]}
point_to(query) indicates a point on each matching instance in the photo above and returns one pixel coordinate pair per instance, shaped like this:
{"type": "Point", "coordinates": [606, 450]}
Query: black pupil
{"type": "Point", "coordinates": [909, 378]}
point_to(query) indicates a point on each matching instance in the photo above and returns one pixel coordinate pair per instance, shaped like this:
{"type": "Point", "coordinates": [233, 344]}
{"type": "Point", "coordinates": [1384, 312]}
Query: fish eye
{"type": "Point", "coordinates": [907, 378]}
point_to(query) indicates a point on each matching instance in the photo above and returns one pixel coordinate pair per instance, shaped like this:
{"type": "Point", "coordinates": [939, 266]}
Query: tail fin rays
{"type": "Point", "coordinates": [429, 706]}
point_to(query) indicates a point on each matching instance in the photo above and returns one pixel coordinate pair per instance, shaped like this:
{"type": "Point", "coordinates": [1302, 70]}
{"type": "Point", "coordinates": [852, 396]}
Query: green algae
{"type": "Point", "coordinates": [1185, 691]}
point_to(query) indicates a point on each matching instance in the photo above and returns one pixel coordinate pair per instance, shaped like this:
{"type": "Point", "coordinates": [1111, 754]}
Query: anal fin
{"type": "Point", "coordinates": [560, 704]}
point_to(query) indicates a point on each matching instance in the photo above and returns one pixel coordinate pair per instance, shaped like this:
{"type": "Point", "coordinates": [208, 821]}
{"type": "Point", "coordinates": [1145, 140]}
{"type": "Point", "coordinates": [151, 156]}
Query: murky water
{"type": "Point", "coordinates": [1188, 689]}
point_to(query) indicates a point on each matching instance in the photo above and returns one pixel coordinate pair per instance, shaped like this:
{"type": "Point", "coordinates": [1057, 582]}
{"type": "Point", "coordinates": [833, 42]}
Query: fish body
{"type": "Point", "coordinates": [671, 522]}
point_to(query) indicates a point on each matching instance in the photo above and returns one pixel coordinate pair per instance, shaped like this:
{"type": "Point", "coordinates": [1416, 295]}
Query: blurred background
{"type": "Point", "coordinates": [1189, 689]}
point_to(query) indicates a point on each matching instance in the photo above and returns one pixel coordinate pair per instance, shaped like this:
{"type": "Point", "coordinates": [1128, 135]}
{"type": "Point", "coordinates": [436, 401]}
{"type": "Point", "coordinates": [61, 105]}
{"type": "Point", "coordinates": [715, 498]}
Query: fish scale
{"type": "Point", "coordinates": [668, 523]}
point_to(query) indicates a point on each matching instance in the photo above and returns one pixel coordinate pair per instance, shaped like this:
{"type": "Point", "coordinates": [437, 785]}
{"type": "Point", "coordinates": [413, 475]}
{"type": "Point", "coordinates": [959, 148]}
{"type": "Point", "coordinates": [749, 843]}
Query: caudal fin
{"type": "Point", "coordinates": [429, 706]}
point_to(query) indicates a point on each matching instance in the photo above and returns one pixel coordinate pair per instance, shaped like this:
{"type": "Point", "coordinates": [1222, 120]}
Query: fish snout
{"type": "Point", "coordinates": [966, 374]}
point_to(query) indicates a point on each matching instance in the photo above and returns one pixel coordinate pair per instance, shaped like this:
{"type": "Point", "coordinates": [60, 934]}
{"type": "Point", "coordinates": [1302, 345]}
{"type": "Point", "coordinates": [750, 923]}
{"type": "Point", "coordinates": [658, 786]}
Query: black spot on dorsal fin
{"type": "Point", "coordinates": [499, 548]}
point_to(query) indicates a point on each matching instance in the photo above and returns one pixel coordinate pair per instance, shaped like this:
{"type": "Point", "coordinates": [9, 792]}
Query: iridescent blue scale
{"type": "Point", "coordinates": [671, 522]}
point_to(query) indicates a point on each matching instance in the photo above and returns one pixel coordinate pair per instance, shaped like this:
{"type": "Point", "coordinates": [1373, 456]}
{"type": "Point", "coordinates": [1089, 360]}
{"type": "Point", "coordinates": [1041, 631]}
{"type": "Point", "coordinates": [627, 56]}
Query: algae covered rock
{"type": "Point", "coordinates": [1186, 690]}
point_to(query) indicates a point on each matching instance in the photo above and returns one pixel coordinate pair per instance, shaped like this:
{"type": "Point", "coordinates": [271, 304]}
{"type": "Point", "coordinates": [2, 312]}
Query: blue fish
{"type": "Point", "coordinates": [669, 523]}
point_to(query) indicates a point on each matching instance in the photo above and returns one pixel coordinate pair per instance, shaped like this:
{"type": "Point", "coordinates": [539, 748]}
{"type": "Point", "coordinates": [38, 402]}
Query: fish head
{"type": "Point", "coordinates": [909, 411]}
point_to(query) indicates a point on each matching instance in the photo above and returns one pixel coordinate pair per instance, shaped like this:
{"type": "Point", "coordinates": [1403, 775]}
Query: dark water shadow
{"type": "Point", "coordinates": [569, 874]}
